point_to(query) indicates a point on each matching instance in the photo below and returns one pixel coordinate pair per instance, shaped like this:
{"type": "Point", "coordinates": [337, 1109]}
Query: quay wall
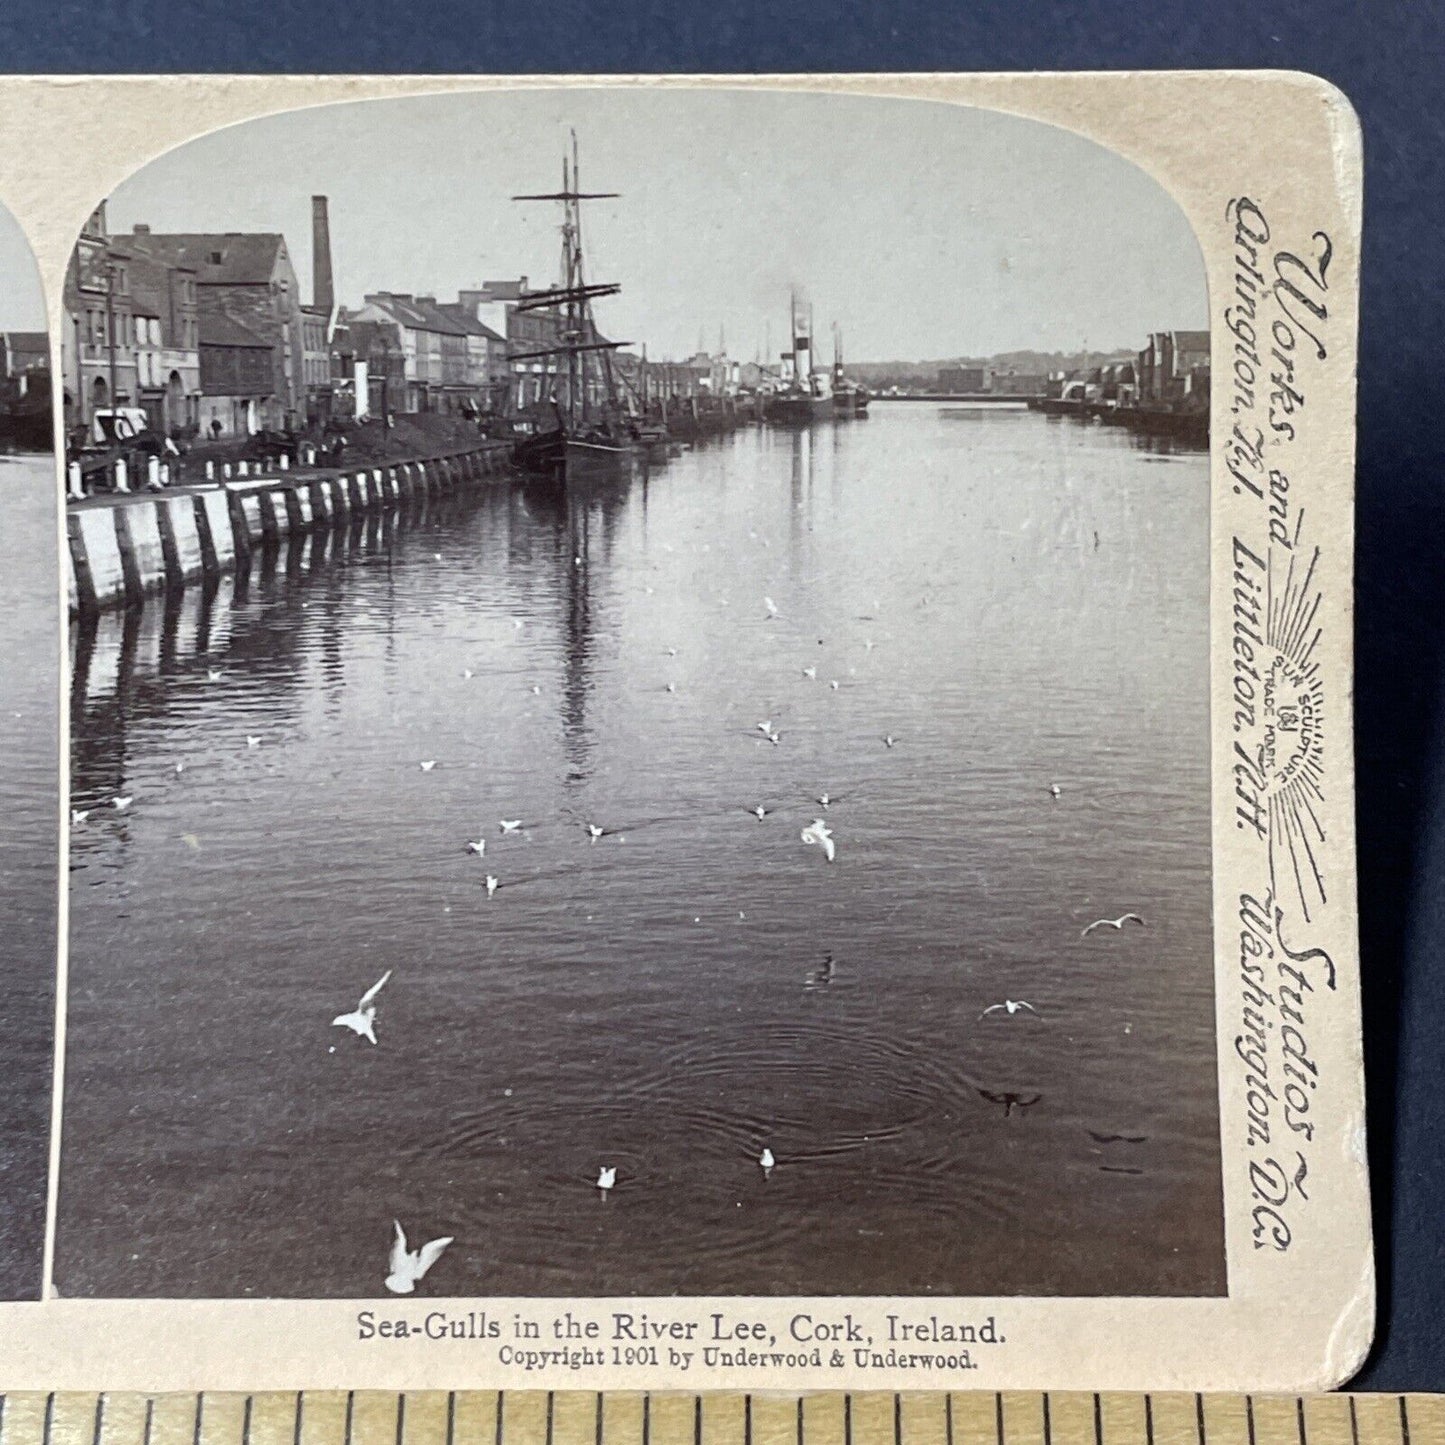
{"type": "Point", "coordinates": [124, 547]}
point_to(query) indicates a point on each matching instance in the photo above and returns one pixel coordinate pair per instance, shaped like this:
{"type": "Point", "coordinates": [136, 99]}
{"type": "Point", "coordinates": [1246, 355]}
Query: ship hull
{"type": "Point", "coordinates": [798, 410]}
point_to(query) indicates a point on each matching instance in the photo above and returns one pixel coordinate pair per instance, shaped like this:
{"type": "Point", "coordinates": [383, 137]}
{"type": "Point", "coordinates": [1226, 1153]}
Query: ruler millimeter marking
{"type": "Point", "coordinates": [364, 1417]}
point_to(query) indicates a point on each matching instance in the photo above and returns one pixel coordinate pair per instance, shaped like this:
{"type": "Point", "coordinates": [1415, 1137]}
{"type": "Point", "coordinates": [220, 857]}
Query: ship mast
{"type": "Point", "coordinates": [574, 295]}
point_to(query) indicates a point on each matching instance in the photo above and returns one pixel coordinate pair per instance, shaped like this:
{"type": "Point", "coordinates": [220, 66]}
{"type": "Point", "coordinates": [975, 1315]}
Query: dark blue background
{"type": "Point", "coordinates": [1390, 59]}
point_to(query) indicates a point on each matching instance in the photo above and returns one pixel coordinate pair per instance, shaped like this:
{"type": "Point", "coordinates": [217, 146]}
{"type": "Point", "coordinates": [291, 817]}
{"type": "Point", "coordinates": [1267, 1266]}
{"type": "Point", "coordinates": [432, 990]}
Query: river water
{"type": "Point", "coordinates": [29, 852]}
{"type": "Point", "coordinates": [1017, 602]}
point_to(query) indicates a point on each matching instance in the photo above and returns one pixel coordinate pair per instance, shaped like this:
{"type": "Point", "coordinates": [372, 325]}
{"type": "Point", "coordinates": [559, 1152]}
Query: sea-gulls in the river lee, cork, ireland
{"type": "Point", "coordinates": [819, 832]}
{"type": "Point", "coordinates": [78, 816]}
{"type": "Point", "coordinates": [213, 674]}
{"type": "Point", "coordinates": [606, 1177]}
{"type": "Point", "coordinates": [120, 804]}
{"type": "Point", "coordinates": [492, 884]}
{"type": "Point", "coordinates": [408, 1266]}
{"type": "Point", "coordinates": [810, 672]}
{"type": "Point", "coordinates": [1010, 1006]}
{"type": "Point", "coordinates": [759, 812]}
{"type": "Point", "coordinates": [1055, 789]}
{"type": "Point", "coordinates": [427, 766]}
{"type": "Point", "coordinates": [594, 832]}
{"type": "Point", "coordinates": [478, 846]}
{"type": "Point", "coordinates": [766, 1160]}
{"type": "Point", "coordinates": [253, 740]}
{"type": "Point", "coordinates": [363, 1021]}
{"type": "Point", "coordinates": [889, 741]}
{"type": "Point", "coordinates": [771, 606]}
{"type": "Point", "coordinates": [510, 825]}
{"type": "Point", "coordinates": [1117, 924]}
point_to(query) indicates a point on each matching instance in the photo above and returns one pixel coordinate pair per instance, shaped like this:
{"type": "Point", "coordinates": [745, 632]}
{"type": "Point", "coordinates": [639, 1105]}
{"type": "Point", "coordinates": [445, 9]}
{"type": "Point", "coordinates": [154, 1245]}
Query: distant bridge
{"type": "Point", "coordinates": [955, 396]}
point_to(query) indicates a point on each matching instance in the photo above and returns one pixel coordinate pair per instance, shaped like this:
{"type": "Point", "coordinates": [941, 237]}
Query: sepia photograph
{"type": "Point", "coordinates": [30, 786]}
{"type": "Point", "coordinates": [639, 708]}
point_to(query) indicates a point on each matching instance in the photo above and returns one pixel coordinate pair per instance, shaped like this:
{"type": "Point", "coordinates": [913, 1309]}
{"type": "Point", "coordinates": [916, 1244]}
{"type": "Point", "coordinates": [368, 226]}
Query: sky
{"type": "Point", "coordinates": [922, 230]}
{"type": "Point", "coordinates": [21, 305]}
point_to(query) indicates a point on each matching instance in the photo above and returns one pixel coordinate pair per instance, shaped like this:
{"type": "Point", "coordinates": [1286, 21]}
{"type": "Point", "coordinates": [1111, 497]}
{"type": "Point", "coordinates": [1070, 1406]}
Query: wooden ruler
{"type": "Point", "coordinates": [586, 1418]}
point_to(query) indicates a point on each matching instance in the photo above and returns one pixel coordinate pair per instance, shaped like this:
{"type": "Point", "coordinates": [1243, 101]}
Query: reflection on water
{"type": "Point", "coordinates": [29, 843]}
{"type": "Point", "coordinates": [1017, 605]}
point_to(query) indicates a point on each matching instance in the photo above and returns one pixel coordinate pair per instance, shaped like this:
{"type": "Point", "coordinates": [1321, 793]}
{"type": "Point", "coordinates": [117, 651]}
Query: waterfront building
{"type": "Point", "coordinates": [246, 278]}
{"type": "Point", "coordinates": [238, 378]}
{"type": "Point", "coordinates": [1172, 366]}
{"type": "Point", "coordinates": [434, 373]}
{"type": "Point", "coordinates": [129, 338]}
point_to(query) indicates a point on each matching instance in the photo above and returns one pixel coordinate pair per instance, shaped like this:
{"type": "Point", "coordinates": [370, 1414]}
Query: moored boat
{"type": "Point", "coordinates": [595, 436]}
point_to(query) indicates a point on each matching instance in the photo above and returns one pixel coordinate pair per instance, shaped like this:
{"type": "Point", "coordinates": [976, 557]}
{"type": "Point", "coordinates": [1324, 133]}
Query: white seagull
{"type": "Point", "coordinates": [1010, 1006]}
{"type": "Point", "coordinates": [253, 740]}
{"type": "Point", "coordinates": [766, 1160]}
{"type": "Point", "coordinates": [120, 804]}
{"type": "Point", "coordinates": [810, 672]}
{"type": "Point", "coordinates": [408, 1266]}
{"type": "Point", "coordinates": [427, 766]}
{"type": "Point", "coordinates": [606, 1176]}
{"type": "Point", "coordinates": [479, 847]}
{"type": "Point", "coordinates": [771, 606]}
{"type": "Point", "coordinates": [78, 816]}
{"type": "Point", "coordinates": [594, 832]}
{"type": "Point", "coordinates": [889, 741]}
{"type": "Point", "coordinates": [510, 825]}
{"type": "Point", "coordinates": [466, 672]}
{"type": "Point", "coordinates": [819, 832]}
{"type": "Point", "coordinates": [492, 885]}
{"type": "Point", "coordinates": [1115, 923]}
{"type": "Point", "coordinates": [213, 674]}
{"type": "Point", "coordinates": [363, 1021]}
{"type": "Point", "coordinates": [759, 812]}
{"type": "Point", "coordinates": [1055, 789]}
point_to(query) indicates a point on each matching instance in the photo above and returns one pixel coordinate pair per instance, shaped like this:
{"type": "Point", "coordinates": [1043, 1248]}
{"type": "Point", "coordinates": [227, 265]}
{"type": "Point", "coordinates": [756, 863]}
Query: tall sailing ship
{"type": "Point", "coordinates": [594, 434]}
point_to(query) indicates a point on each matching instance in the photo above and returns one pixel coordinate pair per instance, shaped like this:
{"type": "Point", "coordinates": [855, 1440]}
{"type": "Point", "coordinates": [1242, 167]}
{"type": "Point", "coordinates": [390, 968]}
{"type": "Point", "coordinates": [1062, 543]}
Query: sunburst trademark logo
{"type": "Point", "coordinates": [1279, 715]}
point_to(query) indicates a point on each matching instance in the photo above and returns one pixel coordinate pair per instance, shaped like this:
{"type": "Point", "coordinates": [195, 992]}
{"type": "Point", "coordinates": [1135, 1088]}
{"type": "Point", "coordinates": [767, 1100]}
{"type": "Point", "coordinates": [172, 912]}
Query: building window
{"type": "Point", "coordinates": [216, 258]}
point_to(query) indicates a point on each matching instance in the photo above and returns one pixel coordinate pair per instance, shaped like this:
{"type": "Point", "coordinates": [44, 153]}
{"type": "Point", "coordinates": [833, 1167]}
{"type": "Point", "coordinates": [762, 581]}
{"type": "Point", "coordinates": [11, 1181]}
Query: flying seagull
{"type": "Point", "coordinates": [759, 812]}
{"type": "Point", "coordinates": [889, 741]}
{"type": "Point", "coordinates": [810, 672]}
{"type": "Point", "coordinates": [606, 1177]}
{"type": "Point", "coordinates": [479, 847]}
{"type": "Point", "coordinates": [78, 816]}
{"type": "Point", "coordinates": [1055, 789]}
{"type": "Point", "coordinates": [408, 1266]}
{"type": "Point", "coordinates": [510, 825]}
{"type": "Point", "coordinates": [1115, 923]}
{"type": "Point", "coordinates": [466, 672]}
{"type": "Point", "coordinates": [492, 885]}
{"type": "Point", "coordinates": [120, 804]}
{"type": "Point", "coordinates": [771, 606]}
{"type": "Point", "coordinates": [253, 740]}
{"type": "Point", "coordinates": [819, 832]}
{"type": "Point", "coordinates": [427, 766]}
{"type": "Point", "coordinates": [766, 1160]}
{"type": "Point", "coordinates": [363, 1021]}
{"type": "Point", "coordinates": [213, 674]}
{"type": "Point", "coordinates": [1010, 1005]}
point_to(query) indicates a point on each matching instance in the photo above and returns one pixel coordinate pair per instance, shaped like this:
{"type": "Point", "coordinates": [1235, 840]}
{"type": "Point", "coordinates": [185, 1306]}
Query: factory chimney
{"type": "Point", "coordinates": [323, 292]}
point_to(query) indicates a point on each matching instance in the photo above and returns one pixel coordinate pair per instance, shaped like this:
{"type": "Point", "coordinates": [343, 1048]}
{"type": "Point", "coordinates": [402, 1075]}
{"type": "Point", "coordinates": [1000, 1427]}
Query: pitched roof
{"type": "Point", "coordinates": [28, 341]}
{"type": "Point", "coordinates": [470, 324]}
{"type": "Point", "coordinates": [218, 329]}
{"type": "Point", "coordinates": [1191, 340]}
{"type": "Point", "coordinates": [246, 258]}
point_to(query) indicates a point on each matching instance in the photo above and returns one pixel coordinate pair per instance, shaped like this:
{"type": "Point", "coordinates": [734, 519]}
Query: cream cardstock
{"type": "Point", "coordinates": [1267, 169]}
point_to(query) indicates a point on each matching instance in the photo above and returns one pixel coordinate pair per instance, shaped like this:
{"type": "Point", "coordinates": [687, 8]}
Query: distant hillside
{"type": "Point", "coordinates": [920, 373]}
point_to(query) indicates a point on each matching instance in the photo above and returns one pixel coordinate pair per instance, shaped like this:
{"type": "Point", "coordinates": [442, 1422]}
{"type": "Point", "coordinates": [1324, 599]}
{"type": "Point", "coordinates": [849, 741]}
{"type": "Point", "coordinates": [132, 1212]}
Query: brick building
{"type": "Point", "coordinates": [246, 278]}
{"type": "Point", "coordinates": [238, 378]}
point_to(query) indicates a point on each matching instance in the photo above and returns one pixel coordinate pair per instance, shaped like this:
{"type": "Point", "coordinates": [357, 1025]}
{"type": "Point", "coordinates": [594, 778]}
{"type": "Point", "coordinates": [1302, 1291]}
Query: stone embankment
{"type": "Point", "coordinates": [126, 545]}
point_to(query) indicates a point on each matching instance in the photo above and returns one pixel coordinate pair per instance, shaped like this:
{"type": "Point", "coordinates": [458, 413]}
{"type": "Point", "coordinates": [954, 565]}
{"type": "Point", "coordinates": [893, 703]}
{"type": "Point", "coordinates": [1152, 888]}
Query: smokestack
{"type": "Point", "coordinates": [323, 292]}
